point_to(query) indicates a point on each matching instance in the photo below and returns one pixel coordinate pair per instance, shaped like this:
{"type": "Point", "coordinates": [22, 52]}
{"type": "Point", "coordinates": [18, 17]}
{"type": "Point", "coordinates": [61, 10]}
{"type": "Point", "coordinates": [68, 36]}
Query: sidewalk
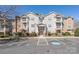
{"type": "Point", "coordinates": [52, 37]}
{"type": "Point", "coordinates": [45, 37]}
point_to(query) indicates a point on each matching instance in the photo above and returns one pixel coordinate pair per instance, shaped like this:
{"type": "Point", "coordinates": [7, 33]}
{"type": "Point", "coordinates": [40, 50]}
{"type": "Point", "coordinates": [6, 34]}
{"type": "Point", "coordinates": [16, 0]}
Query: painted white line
{"type": "Point", "coordinates": [38, 42]}
{"type": "Point", "coordinates": [41, 41]}
{"type": "Point", "coordinates": [47, 41]}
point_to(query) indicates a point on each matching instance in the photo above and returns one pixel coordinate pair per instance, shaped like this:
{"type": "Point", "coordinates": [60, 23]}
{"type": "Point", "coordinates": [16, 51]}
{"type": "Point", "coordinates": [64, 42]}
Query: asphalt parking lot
{"type": "Point", "coordinates": [42, 46]}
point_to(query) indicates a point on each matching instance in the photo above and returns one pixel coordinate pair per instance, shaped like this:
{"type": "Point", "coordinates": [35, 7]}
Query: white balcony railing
{"type": "Point", "coordinates": [58, 20]}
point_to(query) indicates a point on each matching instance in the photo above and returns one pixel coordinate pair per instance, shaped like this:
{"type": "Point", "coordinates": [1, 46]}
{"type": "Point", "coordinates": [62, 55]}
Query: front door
{"type": "Point", "coordinates": [41, 30]}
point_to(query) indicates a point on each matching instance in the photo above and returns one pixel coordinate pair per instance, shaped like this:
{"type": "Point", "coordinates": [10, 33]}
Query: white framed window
{"type": "Point", "coordinates": [32, 18]}
{"type": "Point", "coordinates": [32, 25]}
{"type": "Point", "coordinates": [25, 24]}
{"type": "Point", "coordinates": [69, 27]}
{"type": "Point", "coordinates": [58, 18]}
{"type": "Point", "coordinates": [24, 18]}
{"type": "Point", "coordinates": [49, 25]}
{"type": "Point", "coordinates": [49, 19]}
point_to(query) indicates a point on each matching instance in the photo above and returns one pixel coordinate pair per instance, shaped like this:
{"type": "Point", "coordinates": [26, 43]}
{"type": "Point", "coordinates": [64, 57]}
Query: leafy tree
{"type": "Point", "coordinates": [76, 32]}
{"type": "Point", "coordinates": [6, 12]}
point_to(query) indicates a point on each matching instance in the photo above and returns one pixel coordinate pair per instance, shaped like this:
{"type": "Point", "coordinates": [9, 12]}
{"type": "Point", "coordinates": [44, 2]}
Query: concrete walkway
{"type": "Point", "coordinates": [53, 37]}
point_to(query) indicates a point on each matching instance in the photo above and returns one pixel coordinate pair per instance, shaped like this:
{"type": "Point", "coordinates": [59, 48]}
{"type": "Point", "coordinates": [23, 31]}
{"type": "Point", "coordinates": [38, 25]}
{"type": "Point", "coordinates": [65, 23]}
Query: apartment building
{"type": "Point", "coordinates": [4, 25]}
{"type": "Point", "coordinates": [42, 24]}
{"type": "Point", "coordinates": [16, 24]}
{"type": "Point", "coordinates": [68, 25]}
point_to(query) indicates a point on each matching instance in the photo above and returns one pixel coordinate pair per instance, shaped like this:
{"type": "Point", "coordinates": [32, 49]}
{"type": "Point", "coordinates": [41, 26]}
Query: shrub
{"type": "Point", "coordinates": [49, 34]}
{"type": "Point", "coordinates": [27, 34]}
{"type": "Point", "coordinates": [33, 34]}
{"type": "Point", "coordinates": [19, 33]}
{"type": "Point", "coordinates": [66, 34]}
{"type": "Point", "coordinates": [16, 38]}
{"type": "Point", "coordinates": [9, 33]}
{"type": "Point", "coordinates": [2, 35]}
{"type": "Point", "coordinates": [76, 33]}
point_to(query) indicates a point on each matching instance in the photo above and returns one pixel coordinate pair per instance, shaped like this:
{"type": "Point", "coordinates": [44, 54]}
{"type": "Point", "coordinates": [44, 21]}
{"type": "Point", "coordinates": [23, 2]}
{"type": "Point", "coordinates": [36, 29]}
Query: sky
{"type": "Point", "coordinates": [66, 10]}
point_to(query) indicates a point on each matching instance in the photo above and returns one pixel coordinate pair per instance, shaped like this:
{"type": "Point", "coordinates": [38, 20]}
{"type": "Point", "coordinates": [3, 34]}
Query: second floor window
{"type": "Point", "coordinates": [58, 24]}
{"type": "Point", "coordinates": [32, 18]}
{"type": "Point", "coordinates": [24, 19]}
{"type": "Point", "coordinates": [49, 19]}
{"type": "Point", "coordinates": [58, 19]}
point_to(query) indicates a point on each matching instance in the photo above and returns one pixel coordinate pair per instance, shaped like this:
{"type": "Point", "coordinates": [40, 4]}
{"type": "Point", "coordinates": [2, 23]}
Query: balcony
{"type": "Point", "coordinates": [58, 27]}
{"type": "Point", "coordinates": [58, 19]}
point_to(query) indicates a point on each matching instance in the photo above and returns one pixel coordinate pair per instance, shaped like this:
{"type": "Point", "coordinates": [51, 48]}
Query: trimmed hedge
{"type": "Point", "coordinates": [51, 34]}
{"type": "Point", "coordinates": [2, 35]}
{"type": "Point", "coordinates": [21, 34]}
{"type": "Point", "coordinates": [66, 34]}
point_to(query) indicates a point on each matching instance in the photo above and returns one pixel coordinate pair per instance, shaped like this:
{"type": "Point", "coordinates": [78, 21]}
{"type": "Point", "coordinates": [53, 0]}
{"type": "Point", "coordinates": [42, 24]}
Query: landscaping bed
{"type": "Point", "coordinates": [9, 39]}
{"type": "Point", "coordinates": [4, 40]}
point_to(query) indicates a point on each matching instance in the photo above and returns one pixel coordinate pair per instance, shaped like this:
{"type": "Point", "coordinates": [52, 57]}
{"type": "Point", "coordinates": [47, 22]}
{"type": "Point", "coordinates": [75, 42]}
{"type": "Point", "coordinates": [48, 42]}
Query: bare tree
{"type": "Point", "coordinates": [6, 12]}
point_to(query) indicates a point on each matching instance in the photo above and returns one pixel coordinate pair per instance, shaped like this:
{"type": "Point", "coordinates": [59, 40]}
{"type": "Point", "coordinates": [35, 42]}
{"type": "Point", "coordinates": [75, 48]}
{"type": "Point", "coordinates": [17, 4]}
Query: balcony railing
{"type": "Point", "coordinates": [58, 20]}
{"type": "Point", "coordinates": [59, 27]}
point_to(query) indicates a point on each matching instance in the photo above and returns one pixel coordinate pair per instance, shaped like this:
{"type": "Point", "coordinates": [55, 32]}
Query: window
{"type": "Point", "coordinates": [2, 26]}
{"type": "Point", "coordinates": [58, 18]}
{"type": "Point", "coordinates": [69, 26]}
{"type": "Point", "coordinates": [32, 25]}
{"type": "Point", "coordinates": [49, 19]}
{"type": "Point", "coordinates": [24, 18]}
{"type": "Point", "coordinates": [49, 25]}
{"type": "Point", "coordinates": [32, 18]}
{"type": "Point", "coordinates": [58, 24]}
{"type": "Point", "coordinates": [69, 30]}
{"type": "Point", "coordinates": [24, 24]}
